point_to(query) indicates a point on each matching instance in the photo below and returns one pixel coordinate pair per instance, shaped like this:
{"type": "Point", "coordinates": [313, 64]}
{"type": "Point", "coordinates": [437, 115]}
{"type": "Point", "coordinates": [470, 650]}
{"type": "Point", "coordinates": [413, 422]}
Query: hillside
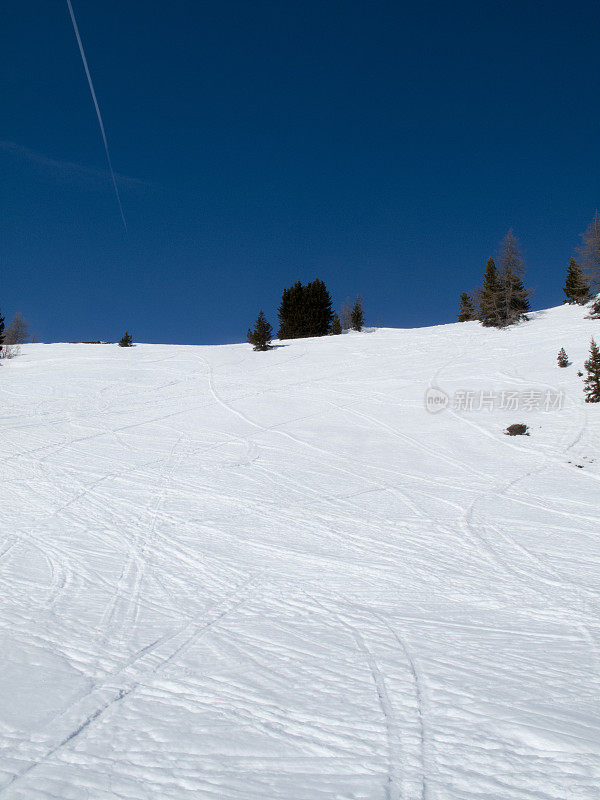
{"type": "Point", "coordinates": [276, 576]}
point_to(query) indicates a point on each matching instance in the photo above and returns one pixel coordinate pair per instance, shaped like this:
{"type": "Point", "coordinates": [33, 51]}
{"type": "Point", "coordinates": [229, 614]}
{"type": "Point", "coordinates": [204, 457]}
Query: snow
{"type": "Point", "coordinates": [276, 576]}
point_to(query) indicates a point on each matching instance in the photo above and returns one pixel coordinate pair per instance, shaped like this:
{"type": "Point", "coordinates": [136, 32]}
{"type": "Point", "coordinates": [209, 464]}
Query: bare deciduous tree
{"type": "Point", "coordinates": [346, 314]}
{"type": "Point", "coordinates": [18, 331]}
{"type": "Point", "coordinates": [513, 297]}
{"type": "Point", "coordinates": [589, 251]}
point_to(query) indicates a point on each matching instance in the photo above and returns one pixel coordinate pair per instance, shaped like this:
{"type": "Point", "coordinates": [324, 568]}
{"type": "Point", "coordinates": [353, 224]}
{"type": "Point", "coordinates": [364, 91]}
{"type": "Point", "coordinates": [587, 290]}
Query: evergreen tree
{"type": "Point", "coordinates": [262, 334]}
{"type": "Point", "coordinates": [318, 309]}
{"type": "Point", "coordinates": [592, 381]}
{"type": "Point", "coordinates": [563, 358]}
{"type": "Point", "coordinates": [1, 329]}
{"type": "Point", "coordinates": [336, 325]}
{"type": "Point", "coordinates": [305, 311]}
{"type": "Point", "coordinates": [467, 311]}
{"type": "Point", "coordinates": [513, 297]}
{"type": "Point", "coordinates": [589, 250]}
{"type": "Point", "coordinates": [126, 340]}
{"type": "Point", "coordinates": [488, 295]}
{"type": "Point", "coordinates": [577, 286]}
{"type": "Point", "coordinates": [358, 315]}
{"type": "Point", "coordinates": [290, 312]}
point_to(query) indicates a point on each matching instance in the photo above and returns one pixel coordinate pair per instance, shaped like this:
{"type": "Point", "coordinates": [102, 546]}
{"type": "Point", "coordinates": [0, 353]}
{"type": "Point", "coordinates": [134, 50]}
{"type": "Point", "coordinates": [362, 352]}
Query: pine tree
{"type": "Point", "coordinates": [577, 286]}
{"type": "Point", "coordinates": [466, 312]}
{"type": "Point", "coordinates": [262, 334]}
{"type": "Point", "coordinates": [290, 312]}
{"type": "Point", "coordinates": [592, 381]}
{"type": "Point", "coordinates": [1, 329]}
{"type": "Point", "coordinates": [336, 325]}
{"type": "Point", "coordinates": [513, 297]}
{"type": "Point", "coordinates": [358, 316]}
{"type": "Point", "coordinates": [589, 251]}
{"type": "Point", "coordinates": [305, 311]}
{"type": "Point", "coordinates": [488, 295]}
{"type": "Point", "coordinates": [318, 309]}
{"type": "Point", "coordinates": [562, 358]}
{"type": "Point", "coordinates": [126, 340]}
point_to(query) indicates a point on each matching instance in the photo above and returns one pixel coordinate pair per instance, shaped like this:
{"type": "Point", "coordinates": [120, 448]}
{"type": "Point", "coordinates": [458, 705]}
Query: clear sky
{"type": "Point", "coordinates": [385, 147]}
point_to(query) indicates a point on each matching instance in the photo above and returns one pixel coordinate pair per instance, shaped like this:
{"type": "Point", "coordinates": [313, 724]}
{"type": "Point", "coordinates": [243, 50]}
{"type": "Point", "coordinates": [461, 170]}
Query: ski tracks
{"type": "Point", "coordinates": [119, 619]}
{"type": "Point", "coordinates": [139, 669]}
{"type": "Point", "coordinates": [405, 734]}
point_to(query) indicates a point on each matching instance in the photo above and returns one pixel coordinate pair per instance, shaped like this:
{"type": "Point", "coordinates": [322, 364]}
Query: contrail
{"type": "Point", "coordinates": [97, 107]}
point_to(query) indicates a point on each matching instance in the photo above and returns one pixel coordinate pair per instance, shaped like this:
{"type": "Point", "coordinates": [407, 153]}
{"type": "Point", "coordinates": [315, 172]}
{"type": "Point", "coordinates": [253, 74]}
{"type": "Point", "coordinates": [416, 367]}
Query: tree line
{"type": "Point", "coordinates": [306, 311]}
{"type": "Point", "coordinates": [16, 333]}
{"type": "Point", "coordinates": [503, 299]}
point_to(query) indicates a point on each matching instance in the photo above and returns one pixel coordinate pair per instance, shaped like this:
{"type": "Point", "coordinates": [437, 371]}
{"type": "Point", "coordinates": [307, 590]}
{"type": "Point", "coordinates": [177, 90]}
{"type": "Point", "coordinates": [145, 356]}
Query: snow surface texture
{"type": "Point", "coordinates": [276, 576]}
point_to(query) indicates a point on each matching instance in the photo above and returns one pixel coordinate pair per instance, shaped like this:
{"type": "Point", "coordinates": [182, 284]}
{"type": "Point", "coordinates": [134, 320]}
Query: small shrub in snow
{"type": "Point", "coordinates": [9, 350]}
{"type": "Point", "coordinates": [517, 429]}
{"type": "Point", "coordinates": [126, 340]}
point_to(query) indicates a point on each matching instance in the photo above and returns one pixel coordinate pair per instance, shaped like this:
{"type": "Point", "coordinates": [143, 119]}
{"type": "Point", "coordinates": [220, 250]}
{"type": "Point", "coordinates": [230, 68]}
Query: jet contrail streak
{"type": "Point", "coordinates": [97, 107]}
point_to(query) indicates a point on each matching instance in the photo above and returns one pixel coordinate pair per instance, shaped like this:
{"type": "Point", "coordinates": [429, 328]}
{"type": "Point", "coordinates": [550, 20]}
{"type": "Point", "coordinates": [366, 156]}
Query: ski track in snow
{"type": "Point", "coordinates": [249, 576]}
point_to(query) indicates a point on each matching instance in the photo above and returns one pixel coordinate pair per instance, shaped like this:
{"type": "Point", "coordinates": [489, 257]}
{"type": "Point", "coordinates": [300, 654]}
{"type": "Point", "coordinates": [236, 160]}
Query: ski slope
{"type": "Point", "coordinates": [276, 576]}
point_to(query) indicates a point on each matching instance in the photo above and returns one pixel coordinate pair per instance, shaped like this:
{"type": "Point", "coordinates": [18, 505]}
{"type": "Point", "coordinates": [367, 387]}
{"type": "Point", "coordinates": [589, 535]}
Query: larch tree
{"type": "Point", "coordinates": [589, 251]}
{"type": "Point", "coordinates": [513, 297]}
{"type": "Point", "coordinates": [346, 315]}
{"type": "Point", "coordinates": [18, 331]}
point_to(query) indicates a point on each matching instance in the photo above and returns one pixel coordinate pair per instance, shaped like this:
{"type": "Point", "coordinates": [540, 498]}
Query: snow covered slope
{"type": "Point", "coordinates": [276, 576]}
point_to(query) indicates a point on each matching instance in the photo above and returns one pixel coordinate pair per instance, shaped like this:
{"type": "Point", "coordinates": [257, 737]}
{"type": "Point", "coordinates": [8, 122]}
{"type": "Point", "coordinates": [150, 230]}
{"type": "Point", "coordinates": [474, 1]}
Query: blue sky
{"type": "Point", "coordinates": [385, 147]}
